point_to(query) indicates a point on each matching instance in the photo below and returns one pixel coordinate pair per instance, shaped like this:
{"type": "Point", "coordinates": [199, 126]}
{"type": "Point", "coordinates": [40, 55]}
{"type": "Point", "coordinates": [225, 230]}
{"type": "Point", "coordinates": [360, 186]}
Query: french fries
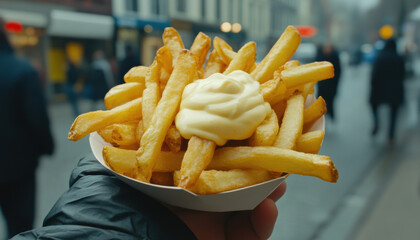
{"type": "Point", "coordinates": [152, 139]}
{"type": "Point", "coordinates": [136, 74]}
{"type": "Point", "coordinates": [310, 142]}
{"type": "Point", "coordinates": [123, 93]}
{"type": "Point", "coordinates": [198, 155]}
{"type": "Point", "coordinates": [311, 72]}
{"type": "Point", "coordinates": [314, 112]}
{"type": "Point", "coordinates": [266, 132]}
{"type": "Point", "coordinates": [121, 134]}
{"type": "Point", "coordinates": [292, 123]}
{"type": "Point", "coordinates": [279, 54]}
{"type": "Point", "coordinates": [267, 158]}
{"type": "Point", "coordinates": [93, 121]}
{"type": "Point", "coordinates": [200, 48]}
{"type": "Point", "coordinates": [244, 60]}
{"type": "Point", "coordinates": [173, 139]}
{"type": "Point", "coordinates": [173, 41]}
{"type": "Point", "coordinates": [224, 50]}
{"type": "Point", "coordinates": [276, 160]}
{"type": "Point", "coordinates": [164, 58]}
{"type": "Point", "coordinates": [214, 65]}
{"type": "Point", "coordinates": [213, 181]}
{"type": "Point", "coordinates": [140, 118]}
{"type": "Point", "coordinates": [151, 94]}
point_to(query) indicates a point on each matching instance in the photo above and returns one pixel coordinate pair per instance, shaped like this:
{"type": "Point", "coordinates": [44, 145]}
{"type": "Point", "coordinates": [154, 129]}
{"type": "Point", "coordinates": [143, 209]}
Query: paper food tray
{"type": "Point", "coordinates": [246, 198]}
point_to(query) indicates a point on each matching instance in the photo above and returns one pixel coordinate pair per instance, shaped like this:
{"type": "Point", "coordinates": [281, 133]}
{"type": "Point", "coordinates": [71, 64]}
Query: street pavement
{"type": "Point", "coordinates": [311, 208]}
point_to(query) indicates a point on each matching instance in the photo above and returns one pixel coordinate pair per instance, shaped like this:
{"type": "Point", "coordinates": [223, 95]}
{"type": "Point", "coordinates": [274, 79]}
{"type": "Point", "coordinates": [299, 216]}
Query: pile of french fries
{"type": "Point", "coordinates": [146, 145]}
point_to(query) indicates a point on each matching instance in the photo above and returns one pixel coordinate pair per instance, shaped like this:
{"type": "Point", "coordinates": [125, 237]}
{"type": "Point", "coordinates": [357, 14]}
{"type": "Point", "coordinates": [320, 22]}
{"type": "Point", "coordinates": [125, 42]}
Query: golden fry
{"type": "Point", "coordinates": [198, 155]}
{"type": "Point", "coordinates": [311, 72]}
{"type": "Point", "coordinates": [200, 48]}
{"type": "Point", "coordinates": [164, 114]}
{"type": "Point", "coordinates": [291, 64]}
{"type": "Point", "coordinates": [120, 133]}
{"type": "Point", "coordinates": [123, 93]}
{"type": "Point", "coordinates": [125, 133]}
{"type": "Point", "coordinates": [267, 158]}
{"type": "Point", "coordinates": [279, 109]}
{"type": "Point", "coordinates": [106, 134]}
{"type": "Point", "coordinates": [276, 160]}
{"type": "Point", "coordinates": [164, 77]}
{"type": "Point", "coordinates": [123, 161]}
{"type": "Point", "coordinates": [173, 41]}
{"type": "Point", "coordinates": [310, 142]}
{"type": "Point", "coordinates": [224, 50]}
{"type": "Point", "coordinates": [266, 132]}
{"type": "Point", "coordinates": [139, 131]}
{"type": "Point", "coordinates": [213, 181]}
{"type": "Point", "coordinates": [244, 59]}
{"type": "Point", "coordinates": [273, 91]}
{"type": "Point", "coordinates": [214, 65]}
{"type": "Point", "coordinates": [292, 123]}
{"type": "Point", "coordinates": [173, 139]}
{"type": "Point", "coordinates": [163, 178]}
{"type": "Point", "coordinates": [314, 112]}
{"type": "Point", "coordinates": [279, 54]}
{"type": "Point", "coordinates": [93, 121]}
{"type": "Point", "coordinates": [151, 94]}
{"type": "Point", "coordinates": [136, 74]}
{"type": "Point", "coordinates": [308, 88]}
{"type": "Point", "coordinates": [164, 58]}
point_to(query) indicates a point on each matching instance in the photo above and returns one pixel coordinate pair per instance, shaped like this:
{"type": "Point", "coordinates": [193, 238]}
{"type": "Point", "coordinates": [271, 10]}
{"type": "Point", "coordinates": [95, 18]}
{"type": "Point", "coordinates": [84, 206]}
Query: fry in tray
{"type": "Point", "coordinates": [164, 114]}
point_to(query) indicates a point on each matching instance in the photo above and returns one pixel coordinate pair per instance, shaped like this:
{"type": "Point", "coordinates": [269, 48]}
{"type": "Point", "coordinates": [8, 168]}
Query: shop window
{"type": "Point", "coordinates": [181, 6]}
{"type": "Point", "coordinates": [131, 5]}
{"type": "Point", "coordinates": [203, 9]}
{"type": "Point", "coordinates": [156, 7]}
{"type": "Point", "coordinates": [218, 10]}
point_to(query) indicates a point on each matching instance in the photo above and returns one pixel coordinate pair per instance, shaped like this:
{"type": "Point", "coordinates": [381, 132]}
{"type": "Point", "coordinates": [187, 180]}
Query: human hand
{"type": "Point", "coordinates": [255, 224]}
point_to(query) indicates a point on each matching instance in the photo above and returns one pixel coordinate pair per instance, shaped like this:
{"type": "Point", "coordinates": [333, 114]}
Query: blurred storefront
{"type": "Point", "coordinates": [69, 41]}
{"type": "Point", "coordinates": [143, 36]}
{"type": "Point", "coordinates": [53, 31]}
{"type": "Point", "coordinates": [27, 33]}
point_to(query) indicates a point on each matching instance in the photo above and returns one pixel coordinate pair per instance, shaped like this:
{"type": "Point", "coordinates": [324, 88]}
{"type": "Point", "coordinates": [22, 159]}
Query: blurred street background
{"type": "Point", "coordinates": [378, 193]}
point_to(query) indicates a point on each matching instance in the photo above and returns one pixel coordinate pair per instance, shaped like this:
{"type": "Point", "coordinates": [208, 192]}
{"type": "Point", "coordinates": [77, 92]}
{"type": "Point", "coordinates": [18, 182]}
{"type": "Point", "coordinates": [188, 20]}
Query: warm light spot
{"type": "Point", "coordinates": [148, 28]}
{"type": "Point", "coordinates": [386, 31]}
{"type": "Point", "coordinates": [236, 27]}
{"type": "Point", "coordinates": [226, 27]}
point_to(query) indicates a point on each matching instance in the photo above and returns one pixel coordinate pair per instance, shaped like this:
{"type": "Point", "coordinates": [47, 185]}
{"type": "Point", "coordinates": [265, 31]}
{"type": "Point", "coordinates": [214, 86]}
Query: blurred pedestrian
{"type": "Point", "coordinates": [387, 84]}
{"type": "Point", "coordinates": [100, 78]}
{"type": "Point", "coordinates": [130, 60]}
{"type": "Point", "coordinates": [72, 75]}
{"type": "Point", "coordinates": [328, 89]}
{"type": "Point", "coordinates": [25, 130]}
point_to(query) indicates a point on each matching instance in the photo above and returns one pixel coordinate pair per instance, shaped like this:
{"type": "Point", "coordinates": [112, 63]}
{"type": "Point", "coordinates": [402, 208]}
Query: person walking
{"type": "Point", "coordinates": [387, 88]}
{"type": "Point", "coordinates": [130, 60]}
{"type": "Point", "coordinates": [72, 74]}
{"type": "Point", "coordinates": [100, 78]}
{"type": "Point", "coordinates": [26, 135]}
{"type": "Point", "coordinates": [328, 89]}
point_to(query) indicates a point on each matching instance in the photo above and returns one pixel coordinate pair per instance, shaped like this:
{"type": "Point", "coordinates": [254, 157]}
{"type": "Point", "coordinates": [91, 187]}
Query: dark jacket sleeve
{"type": "Point", "coordinates": [34, 108]}
{"type": "Point", "coordinates": [99, 206]}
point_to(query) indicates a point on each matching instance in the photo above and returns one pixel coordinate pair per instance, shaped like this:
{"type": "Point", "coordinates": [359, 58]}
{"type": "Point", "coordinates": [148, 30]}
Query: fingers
{"type": "Point", "coordinates": [257, 224]}
{"type": "Point", "coordinates": [239, 226]}
{"type": "Point", "coordinates": [278, 193]}
{"type": "Point", "coordinates": [263, 218]}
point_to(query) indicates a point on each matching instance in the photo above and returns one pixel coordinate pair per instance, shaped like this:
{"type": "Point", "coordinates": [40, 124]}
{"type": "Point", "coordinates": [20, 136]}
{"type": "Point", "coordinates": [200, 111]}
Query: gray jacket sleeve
{"type": "Point", "coordinates": [99, 206]}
